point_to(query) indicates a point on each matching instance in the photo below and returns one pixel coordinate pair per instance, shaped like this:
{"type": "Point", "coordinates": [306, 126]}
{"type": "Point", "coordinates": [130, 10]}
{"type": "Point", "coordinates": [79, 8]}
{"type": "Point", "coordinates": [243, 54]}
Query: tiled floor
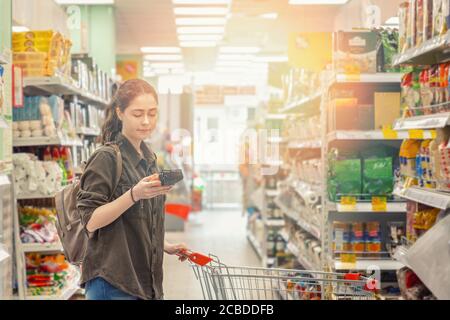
{"type": "Point", "coordinates": [222, 233]}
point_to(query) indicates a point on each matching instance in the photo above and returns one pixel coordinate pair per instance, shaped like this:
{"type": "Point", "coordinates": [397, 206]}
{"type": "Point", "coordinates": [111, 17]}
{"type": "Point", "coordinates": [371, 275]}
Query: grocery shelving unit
{"type": "Point", "coordinates": [357, 211]}
{"type": "Point", "coordinates": [65, 87]}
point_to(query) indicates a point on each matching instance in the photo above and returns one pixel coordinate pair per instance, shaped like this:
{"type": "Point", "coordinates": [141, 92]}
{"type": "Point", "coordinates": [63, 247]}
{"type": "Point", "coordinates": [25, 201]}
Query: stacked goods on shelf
{"type": "Point", "coordinates": [356, 52]}
{"type": "Point", "coordinates": [90, 78]}
{"type": "Point", "coordinates": [299, 84]}
{"type": "Point", "coordinates": [426, 91]}
{"type": "Point", "coordinates": [276, 245]}
{"type": "Point", "coordinates": [422, 20]}
{"type": "Point", "coordinates": [348, 112]}
{"type": "Point", "coordinates": [362, 239]}
{"type": "Point", "coordinates": [48, 275]}
{"type": "Point", "coordinates": [307, 248]}
{"type": "Point", "coordinates": [41, 53]}
{"type": "Point", "coordinates": [361, 174]}
{"type": "Point", "coordinates": [37, 225]}
{"type": "Point", "coordinates": [44, 178]}
{"type": "Point", "coordinates": [420, 219]}
{"type": "Point", "coordinates": [298, 128]}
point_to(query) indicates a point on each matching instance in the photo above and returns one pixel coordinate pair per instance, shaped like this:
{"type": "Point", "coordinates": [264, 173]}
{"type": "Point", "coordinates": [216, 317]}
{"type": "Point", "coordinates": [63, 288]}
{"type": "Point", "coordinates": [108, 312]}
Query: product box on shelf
{"type": "Point", "coordinates": [404, 27]}
{"type": "Point", "coordinates": [387, 108]}
{"type": "Point", "coordinates": [347, 114]}
{"type": "Point", "coordinates": [355, 51]}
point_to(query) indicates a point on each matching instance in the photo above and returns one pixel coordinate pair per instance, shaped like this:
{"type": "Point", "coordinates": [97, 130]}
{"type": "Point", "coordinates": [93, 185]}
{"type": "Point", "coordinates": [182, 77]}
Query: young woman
{"type": "Point", "coordinates": [124, 259]}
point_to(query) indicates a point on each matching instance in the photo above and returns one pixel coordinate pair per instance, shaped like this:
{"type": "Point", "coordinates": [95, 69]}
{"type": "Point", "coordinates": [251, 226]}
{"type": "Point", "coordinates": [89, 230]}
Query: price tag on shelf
{"type": "Point", "coordinates": [379, 203]}
{"type": "Point", "coordinates": [352, 77]}
{"type": "Point", "coordinates": [389, 133]}
{"type": "Point", "coordinates": [433, 134]}
{"type": "Point", "coordinates": [416, 134]}
{"type": "Point", "coordinates": [348, 258]}
{"type": "Point", "coordinates": [348, 203]}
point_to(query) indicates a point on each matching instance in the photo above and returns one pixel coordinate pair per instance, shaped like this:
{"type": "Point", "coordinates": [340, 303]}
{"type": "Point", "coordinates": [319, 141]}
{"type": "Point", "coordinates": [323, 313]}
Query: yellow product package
{"type": "Point", "coordinates": [31, 35]}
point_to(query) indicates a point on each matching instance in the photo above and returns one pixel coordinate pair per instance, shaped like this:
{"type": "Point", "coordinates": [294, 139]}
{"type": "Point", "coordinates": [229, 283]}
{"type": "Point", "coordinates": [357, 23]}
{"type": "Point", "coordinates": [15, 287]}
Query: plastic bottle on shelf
{"type": "Point", "coordinates": [67, 160]}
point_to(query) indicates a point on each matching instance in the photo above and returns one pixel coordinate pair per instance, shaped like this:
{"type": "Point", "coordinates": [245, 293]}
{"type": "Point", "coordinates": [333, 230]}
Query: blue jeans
{"type": "Point", "coordinates": [99, 289]}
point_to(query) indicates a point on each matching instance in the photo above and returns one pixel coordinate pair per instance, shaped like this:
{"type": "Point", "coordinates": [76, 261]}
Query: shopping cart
{"type": "Point", "coordinates": [221, 282]}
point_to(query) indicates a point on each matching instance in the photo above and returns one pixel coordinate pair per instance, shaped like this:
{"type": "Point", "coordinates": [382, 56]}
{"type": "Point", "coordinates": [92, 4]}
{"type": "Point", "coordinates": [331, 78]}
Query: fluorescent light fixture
{"type": "Point", "coordinates": [271, 59]}
{"type": "Point", "coordinates": [163, 57]}
{"type": "Point", "coordinates": [200, 37]}
{"type": "Point", "coordinates": [166, 65]}
{"type": "Point", "coordinates": [200, 11]}
{"type": "Point", "coordinates": [201, 1]}
{"type": "Point", "coordinates": [88, 2]}
{"type": "Point", "coordinates": [393, 21]}
{"type": "Point", "coordinates": [240, 49]}
{"type": "Point", "coordinates": [160, 50]}
{"type": "Point", "coordinates": [201, 30]}
{"type": "Point", "coordinates": [20, 29]}
{"type": "Point", "coordinates": [200, 21]}
{"type": "Point", "coordinates": [269, 15]}
{"type": "Point", "coordinates": [198, 44]}
{"type": "Point", "coordinates": [236, 57]}
{"type": "Point", "coordinates": [317, 2]}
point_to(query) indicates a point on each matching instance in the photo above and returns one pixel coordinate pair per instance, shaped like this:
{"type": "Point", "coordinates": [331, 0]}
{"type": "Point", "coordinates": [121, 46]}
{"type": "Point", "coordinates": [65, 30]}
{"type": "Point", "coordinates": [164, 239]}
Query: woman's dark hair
{"type": "Point", "coordinates": [123, 96]}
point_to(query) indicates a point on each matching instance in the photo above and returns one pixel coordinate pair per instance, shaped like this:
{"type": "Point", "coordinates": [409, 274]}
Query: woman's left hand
{"type": "Point", "coordinates": [175, 249]}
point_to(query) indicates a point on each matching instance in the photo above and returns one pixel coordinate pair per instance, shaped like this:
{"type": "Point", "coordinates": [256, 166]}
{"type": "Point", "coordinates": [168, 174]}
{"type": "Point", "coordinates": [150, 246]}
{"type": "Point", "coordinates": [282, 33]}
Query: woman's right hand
{"type": "Point", "coordinates": [149, 187]}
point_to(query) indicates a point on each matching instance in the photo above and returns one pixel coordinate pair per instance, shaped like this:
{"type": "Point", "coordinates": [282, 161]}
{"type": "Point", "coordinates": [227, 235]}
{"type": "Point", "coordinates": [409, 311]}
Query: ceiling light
{"type": "Point", "coordinates": [159, 65]}
{"type": "Point", "coordinates": [163, 57]}
{"type": "Point", "coordinates": [201, 30]}
{"type": "Point", "coordinates": [236, 57]}
{"type": "Point", "coordinates": [271, 59]}
{"type": "Point", "coordinates": [197, 44]}
{"type": "Point", "coordinates": [270, 15]}
{"type": "Point", "coordinates": [20, 29]}
{"type": "Point", "coordinates": [200, 37]}
{"type": "Point", "coordinates": [317, 2]}
{"type": "Point", "coordinates": [160, 49]}
{"type": "Point", "coordinates": [200, 21]}
{"type": "Point", "coordinates": [240, 49]}
{"type": "Point", "coordinates": [88, 2]}
{"type": "Point", "coordinates": [393, 21]}
{"type": "Point", "coordinates": [200, 11]}
{"type": "Point", "coordinates": [201, 1]}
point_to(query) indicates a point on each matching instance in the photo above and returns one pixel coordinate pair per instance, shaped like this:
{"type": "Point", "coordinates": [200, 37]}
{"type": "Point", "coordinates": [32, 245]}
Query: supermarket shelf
{"type": "Point", "coordinates": [304, 262]}
{"type": "Point", "coordinates": [301, 103]}
{"type": "Point", "coordinates": [45, 141]}
{"type": "Point", "coordinates": [284, 235]}
{"type": "Point", "coordinates": [61, 86]}
{"type": "Point", "coordinates": [432, 198]}
{"type": "Point", "coordinates": [369, 78]}
{"type": "Point", "coordinates": [431, 121]}
{"type": "Point", "coordinates": [366, 135]}
{"type": "Point", "coordinates": [367, 207]}
{"type": "Point", "coordinates": [88, 131]}
{"type": "Point", "coordinates": [42, 247]}
{"type": "Point", "coordinates": [311, 229]}
{"type": "Point", "coordinates": [272, 193]}
{"type": "Point", "coordinates": [66, 293]}
{"type": "Point", "coordinates": [3, 123]}
{"type": "Point", "coordinates": [274, 222]}
{"type": "Point", "coordinates": [366, 216]}
{"type": "Point", "coordinates": [34, 196]}
{"type": "Point", "coordinates": [4, 59]}
{"type": "Point", "coordinates": [430, 52]}
{"type": "Point", "coordinates": [305, 144]}
{"type": "Point", "coordinates": [386, 264]}
{"type": "Point", "coordinates": [256, 246]}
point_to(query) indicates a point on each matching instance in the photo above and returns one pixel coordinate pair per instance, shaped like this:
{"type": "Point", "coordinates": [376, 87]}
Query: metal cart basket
{"type": "Point", "coordinates": [221, 282]}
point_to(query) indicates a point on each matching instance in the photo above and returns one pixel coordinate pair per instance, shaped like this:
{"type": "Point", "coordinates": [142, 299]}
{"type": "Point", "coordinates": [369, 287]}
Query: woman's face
{"type": "Point", "coordinates": [140, 117]}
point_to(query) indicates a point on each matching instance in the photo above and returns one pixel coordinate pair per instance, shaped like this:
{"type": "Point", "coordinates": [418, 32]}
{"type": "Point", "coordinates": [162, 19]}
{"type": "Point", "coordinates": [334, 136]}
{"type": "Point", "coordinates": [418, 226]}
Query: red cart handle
{"type": "Point", "coordinates": [195, 257]}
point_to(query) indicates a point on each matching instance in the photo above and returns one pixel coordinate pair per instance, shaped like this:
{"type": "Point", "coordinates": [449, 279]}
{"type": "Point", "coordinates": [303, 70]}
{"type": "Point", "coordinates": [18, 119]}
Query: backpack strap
{"type": "Point", "coordinates": [119, 167]}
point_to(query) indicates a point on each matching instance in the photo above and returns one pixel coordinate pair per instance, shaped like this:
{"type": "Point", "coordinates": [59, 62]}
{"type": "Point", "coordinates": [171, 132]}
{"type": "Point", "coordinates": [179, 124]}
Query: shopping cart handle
{"type": "Point", "coordinates": [195, 257]}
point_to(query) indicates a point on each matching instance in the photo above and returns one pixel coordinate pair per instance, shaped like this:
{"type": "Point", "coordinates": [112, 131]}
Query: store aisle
{"type": "Point", "coordinates": [222, 233]}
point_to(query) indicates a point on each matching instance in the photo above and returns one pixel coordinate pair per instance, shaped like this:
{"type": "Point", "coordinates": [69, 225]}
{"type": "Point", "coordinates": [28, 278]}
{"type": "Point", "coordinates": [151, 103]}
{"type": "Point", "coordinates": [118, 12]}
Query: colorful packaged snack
{"type": "Point", "coordinates": [404, 27]}
{"type": "Point", "coordinates": [439, 17]}
{"type": "Point", "coordinates": [426, 94]}
{"type": "Point", "coordinates": [419, 22]}
{"type": "Point", "coordinates": [412, 23]}
{"type": "Point", "coordinates": [410, 94]}
{"type": "Point", "coordinates": [435, 86]}
{"type": "Point", "coordinates": [427, 19]}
